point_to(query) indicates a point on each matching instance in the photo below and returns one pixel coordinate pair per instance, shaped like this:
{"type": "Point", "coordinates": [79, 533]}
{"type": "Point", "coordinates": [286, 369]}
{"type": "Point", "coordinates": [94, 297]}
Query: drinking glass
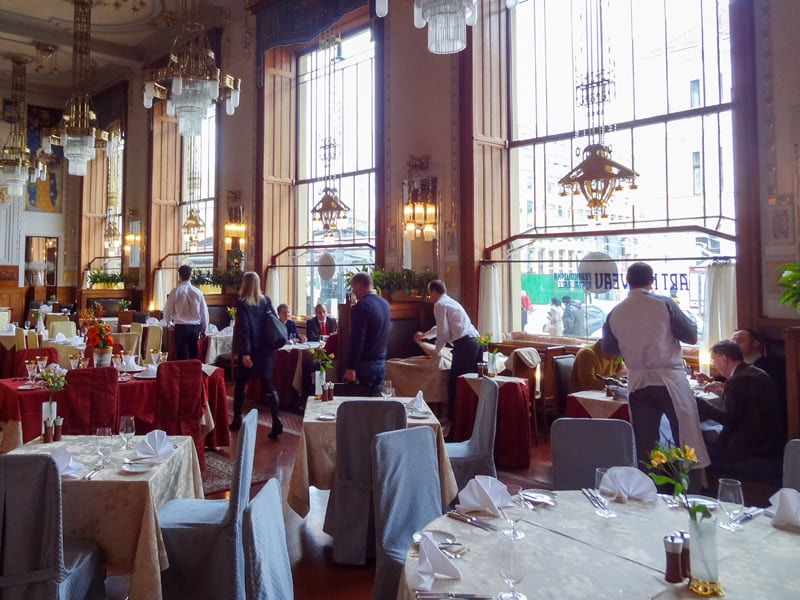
{"type": "Point", "coordinates": [511, 564]}
{"type": "Point", "coordinates": [607, 494]}
{"type": "Point", "coordinates": [127, 429]}
{"type": "Point", "coordinates": [116, 360]}
{"type": "Point", "coordinates": [41, 362]}
{"type": "Point", "coordinates": [83, 361]}
{"type": "Point", "coordinates": [731, 500]}
{"type": "Point", "coordinates": [164, 356]}
{"type": "Point", "coordinates": [74, 361]}
{"type": "Point", "coordinates": [155, 357]}
{"type": "Point", "coordinates": [27, 325]}
{"type": "Point", "coordinates": [105, 444]}
{"type": "Point", "coordinates": [32, 368]}
{"type": "Point", "coordinates": [387, 389]}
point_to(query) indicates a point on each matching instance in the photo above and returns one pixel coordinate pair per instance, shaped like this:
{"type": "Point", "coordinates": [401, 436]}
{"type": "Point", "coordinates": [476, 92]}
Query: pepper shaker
{"type": "Point", "coordinates": [57, 429]}
{"type": "Point", "coordinates": [686, 565]}
{"type": "Point", "coordinates": [673, 546]}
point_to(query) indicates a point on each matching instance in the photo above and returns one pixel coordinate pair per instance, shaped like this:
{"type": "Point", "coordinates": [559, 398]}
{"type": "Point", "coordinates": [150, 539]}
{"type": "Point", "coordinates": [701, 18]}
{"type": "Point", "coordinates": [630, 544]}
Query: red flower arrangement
{"type": "Point", "coordinates": [99, 336]}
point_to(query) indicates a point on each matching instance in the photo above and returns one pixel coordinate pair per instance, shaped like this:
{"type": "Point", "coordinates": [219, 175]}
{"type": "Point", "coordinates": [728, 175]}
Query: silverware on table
{"type": "Point", "coordinates": [748, 515]}
{"type": "Point", "coordinates": [454, 514]}
{"type": "Point", "coordinates": [92, 473]}
{"type": "Point", "coordinates": [536, 499]}
{"type": "Point", "coordinates": [592, 498]}
{"type": "Point", "coordinates": [454, 595]}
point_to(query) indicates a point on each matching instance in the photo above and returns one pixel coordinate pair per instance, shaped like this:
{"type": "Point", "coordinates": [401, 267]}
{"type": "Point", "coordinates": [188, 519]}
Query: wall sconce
{"type": "Point", "coordinates": [419, 211]}
{"type": "Point", "coordinates": [133, 243]}
{"type": "Point", "coordinates": [235, 227]}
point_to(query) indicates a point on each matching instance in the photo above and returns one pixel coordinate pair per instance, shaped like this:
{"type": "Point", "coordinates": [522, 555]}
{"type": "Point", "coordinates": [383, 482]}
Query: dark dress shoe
{"type": "Point", "coordinates": [235, 425]}
{"type": "Point", "coordinates": [277, 429]}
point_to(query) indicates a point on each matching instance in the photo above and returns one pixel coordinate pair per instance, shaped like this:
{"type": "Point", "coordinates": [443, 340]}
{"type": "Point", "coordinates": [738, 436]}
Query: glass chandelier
{"type": "Point", "coordinates": [193, 78]}
{"type": "Point", "coordinates": [16, 166]}
{"type": "Point", "coordinates": [419, 212]}
{"type": "Point", "coordinates": [77, 133]}
{"type": "Point", "coordinates": [447, 21]}
{"type": "Point", "coordinates": [597, 177]}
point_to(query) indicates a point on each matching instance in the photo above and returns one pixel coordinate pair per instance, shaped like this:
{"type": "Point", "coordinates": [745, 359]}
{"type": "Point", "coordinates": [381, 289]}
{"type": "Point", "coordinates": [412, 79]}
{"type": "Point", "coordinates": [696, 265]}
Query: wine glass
{"type": "Point", "coordinates": [116, 360]}
{"type": "Point", "coordinates": [32, 368]}
{"type": "Point", "coordinates": [511, 564]}
{"type": "Point", "coordinates": [105, 444]}
{"type": "Point", "coordinates": [387, 389]}
{"type": "Point", "coordinates": [155, 357]}
{"type": "Point", "coordinates": [83, 362]}
{"type": "Point", "coordinates": [127, 429]}
{"type": "Point", "coordinates": [27, 325]}
{"type": "Point", "coordinates": [74, 361]}
{"type": "Point", "coordinates": [729, 494]}
{"type": "Point", "coordinates": [606, 493]}
{"type": "Point", "coordinates": [41, 362]}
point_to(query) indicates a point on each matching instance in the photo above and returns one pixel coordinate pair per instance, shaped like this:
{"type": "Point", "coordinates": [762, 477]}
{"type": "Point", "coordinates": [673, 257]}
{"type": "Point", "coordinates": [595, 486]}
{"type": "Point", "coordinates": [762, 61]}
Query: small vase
{"type": "Point", "coordinates": [705, 567]}
{"type": "Point", "coordinates": [319, 381]}
{"type": "Point", "coordinates": [492, 368]}
{"type": "Point", "coordinates": [102, 357]}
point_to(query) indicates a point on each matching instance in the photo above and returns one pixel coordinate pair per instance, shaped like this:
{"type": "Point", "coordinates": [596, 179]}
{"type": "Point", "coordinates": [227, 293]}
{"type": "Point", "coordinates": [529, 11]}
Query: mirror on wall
{"type": "Point", "coordinates": [41, 261]}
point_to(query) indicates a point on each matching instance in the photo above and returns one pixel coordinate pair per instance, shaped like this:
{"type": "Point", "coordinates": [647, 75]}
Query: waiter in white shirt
{"type": "Point", "coordinates": [452, 326]}
{"type": "Point", "coordinates": [186, 310]}
{"type": "Point", "coordinates": [646, 330]}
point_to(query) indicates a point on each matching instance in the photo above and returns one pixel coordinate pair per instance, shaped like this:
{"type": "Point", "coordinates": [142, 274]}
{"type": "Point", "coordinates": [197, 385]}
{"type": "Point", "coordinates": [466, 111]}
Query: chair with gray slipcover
{"type": "Point", "coordinates": [791, 465]}
{"type": "Point", "coordinates": [349, 514]}
{"type": "Point", "coordinates": [203, 538]}
{"type": "Point", "coordinates": [267, 571]}
{"type": "Point", "coordinates": [579, 446]}
{"type": "Point", "coordinates": [407, 497]}
{"type": "Point", "coordinates": [36, 561]}
{"type": "Point", "coordinates": [475, 456]}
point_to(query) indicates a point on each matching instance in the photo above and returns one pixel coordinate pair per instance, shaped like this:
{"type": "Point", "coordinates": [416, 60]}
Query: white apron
{"type": "Point", "coordinates": [674, 379]}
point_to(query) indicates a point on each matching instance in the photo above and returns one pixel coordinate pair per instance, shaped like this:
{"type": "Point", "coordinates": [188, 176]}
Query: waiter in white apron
{"type": "Point", "coordinates": [646, 330]}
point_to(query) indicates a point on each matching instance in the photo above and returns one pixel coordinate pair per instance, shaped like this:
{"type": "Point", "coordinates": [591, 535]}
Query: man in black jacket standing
{"type": "Point", "coordinates": [369, 335]}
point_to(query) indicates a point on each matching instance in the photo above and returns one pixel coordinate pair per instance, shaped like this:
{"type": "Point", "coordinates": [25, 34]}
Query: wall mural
{"type": "Point", "coordinates": [44, 196]}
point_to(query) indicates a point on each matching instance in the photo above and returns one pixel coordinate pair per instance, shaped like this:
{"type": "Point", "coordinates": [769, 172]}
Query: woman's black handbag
{"type": "Point", "coordinates": [274, 330]}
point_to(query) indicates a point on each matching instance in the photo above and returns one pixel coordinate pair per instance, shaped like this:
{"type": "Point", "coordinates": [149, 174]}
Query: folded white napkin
{"type": "Point", "coordinates": [152, 321]}
{"type": "Point", "coordinates": [431, 562]}
{"type": "Point", "coordinates": [60, 338]}
{"type": "Point", "coordinates": [151, 370]}
{"type": "Point", "coordinates": [484, 493]}
{"type": "Point", "coordinates": [45, 308]}
{"type": "Point", "coordinates": [155, 443]}
{"type": "Point", "coordinates": [7, 328]}
{"type": "Point", "coordinates": [418, 403]}
{"type": "Point", "coordinates": [212, 329]}
{"type": "Point", "coordinates": [56, 369]}
{"type": "Point", "coordinates": [67, 466]}
{"type": "Point", "coordinates": [228, 330]}
{"type": "Point", "coordinates": [629, 483]}
{"type": "Point", "coordinates": [77, 340]}
{"type": "Point", "coordinates": [786, 506]}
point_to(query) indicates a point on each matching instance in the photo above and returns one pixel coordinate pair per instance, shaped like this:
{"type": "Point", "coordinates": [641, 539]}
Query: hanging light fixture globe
{"type": "Point", "coordinates": [194, 81]}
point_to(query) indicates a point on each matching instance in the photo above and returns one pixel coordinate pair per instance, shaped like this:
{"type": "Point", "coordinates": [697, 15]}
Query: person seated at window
{"type": "Point", "coordinates": [320, 325]}
{"type": "Point", "coordinates": [590, 361]}
{"type": "Point", "coordinates": [285, 315]}
{"type": "Point", "coordinates": [752, 414]}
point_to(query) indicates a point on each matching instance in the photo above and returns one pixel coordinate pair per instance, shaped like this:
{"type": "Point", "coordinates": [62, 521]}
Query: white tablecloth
{"type": "Point", "coordinates": [218, 343]}
{"type": "Point", "coordinates": [574, 553]}
{"type": "Point", "coordinates": [597, 404]}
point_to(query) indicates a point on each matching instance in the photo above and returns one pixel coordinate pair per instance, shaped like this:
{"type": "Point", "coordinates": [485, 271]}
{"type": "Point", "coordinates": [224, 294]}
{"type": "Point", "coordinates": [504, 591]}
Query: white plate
{"type": "Point", "coordinates": [137, 467]}
{"type": "Point", "coordinates": [28, 386]}
{"type": "Point", "coordinates": [419, 414]}
{"type": "Point", "coordinates": [326, 416]}
{"type": "Point", "coordinates": [542, 496]}
{"type": "Point", "coordinates": [144, 375]}
{"type": "Point", "coordinates": [709, 503]}
{"type": "Point", "coordinates": [135, 369]}
{"type": "Point", "coordinates": [440, 537]}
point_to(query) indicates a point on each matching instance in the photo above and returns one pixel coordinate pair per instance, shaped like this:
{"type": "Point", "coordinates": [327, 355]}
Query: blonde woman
{"type": "Point", "coordinates": [255, 355]}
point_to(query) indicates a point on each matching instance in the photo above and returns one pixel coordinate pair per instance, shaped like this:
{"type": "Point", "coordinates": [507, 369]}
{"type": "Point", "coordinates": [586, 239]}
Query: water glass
{"type": "Point", "coordinates": [74, 361]}
{"type": "Point", "coordinates": [41, 362]}
{"type": "Point", "coordinates": [155, 356]}
{"type": "Point", "coordinates": [511, 564]}
{"type": "Point", "coordinates": [604, 492]}
{"type": "Point", "coordinates": [32, 368]}
{"type": "Point", "coordinates": [127, 429]}
{"type": "Point", "coordinates": [83, 362]}
{"type": "Point", "coordinates": [105, 444]}
{"type": "Point", "coordinates": [387, 389]}
{"type": "Point", "coordinates": [731, 500]}
{"type": "Point", "coordinates": [116, 360]}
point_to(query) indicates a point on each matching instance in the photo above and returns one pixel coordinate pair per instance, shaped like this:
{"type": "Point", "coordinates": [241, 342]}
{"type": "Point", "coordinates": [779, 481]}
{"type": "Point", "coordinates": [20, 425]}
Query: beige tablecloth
{"type": "Point", "coordinates": [119, 510]}
{"type": "Point", "coordinates": [428, 374]}
{"type": "Point", "coordinates": [315, 461]}
{"type": "Point", "coordinates": [573, 553]}
{"type": "Point", "coordinates": [8, 340]}
{"type": "Point", "coordinates": [597, 404]}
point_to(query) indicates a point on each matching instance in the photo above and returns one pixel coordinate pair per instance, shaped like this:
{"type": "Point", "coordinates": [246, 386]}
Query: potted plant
{"type": "Point", "coordinates": [421, 281]}
{"type": "Point", "coordinates": [124, 304]}
{"type": "Point", "coordinates": [203, 281]}
{"type": "Point", "coordinates": [790, 282]}
{"type": "Point", "coordinates": [103, 280]}
{"type": "Point", "coordinates": [228, 279]}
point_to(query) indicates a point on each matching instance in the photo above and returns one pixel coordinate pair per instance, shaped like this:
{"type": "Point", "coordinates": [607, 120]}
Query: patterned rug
{"type": "Point", "coordinates": [219, 469]}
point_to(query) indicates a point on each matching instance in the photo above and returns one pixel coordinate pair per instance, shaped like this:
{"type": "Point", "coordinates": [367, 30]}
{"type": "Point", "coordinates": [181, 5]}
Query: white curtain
{"type": "Point", "coordinates": [489, 303]}
{"type": "Point", "coordinates": [273, 287]}
{"type": "Point", "coordinates": [719, 320]}
{"type": "Point", "coordinates": [159, 291]}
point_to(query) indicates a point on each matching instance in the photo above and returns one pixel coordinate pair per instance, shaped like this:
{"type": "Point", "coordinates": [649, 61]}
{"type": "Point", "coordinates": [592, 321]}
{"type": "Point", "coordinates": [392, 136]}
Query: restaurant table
{"type": "Point", "coordinates": [119, 510]}
{"type": "Point", "coordinates": [512, 441]}
{"type": "Point", "coordinates": [21, 409]}
{"type": "Point", "coordinates": [64, 350]}
{"type": "Point", "coordinates": [213, 345]}
{"type": "Point", "coordinates": [595, 404]}
{"type": "Point", "coordinates": [8, 340]}
{"type": "Point", "coordinates": [428, 374]}
{"type": "Point", "coordinates": [315, 460]}
{"type": "Point", "coordinates": [571, 552]}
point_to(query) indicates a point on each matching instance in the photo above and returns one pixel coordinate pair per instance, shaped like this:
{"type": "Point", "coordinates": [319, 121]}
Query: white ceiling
{"type": "Point", "coordinates": [123, 38]}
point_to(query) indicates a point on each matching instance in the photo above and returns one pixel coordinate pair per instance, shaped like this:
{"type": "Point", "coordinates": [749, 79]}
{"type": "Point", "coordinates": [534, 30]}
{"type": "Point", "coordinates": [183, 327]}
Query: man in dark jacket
{"type": "Point", "coordinates": [369, 336]}
{"type": "Point", "coordinates": [320, 325]}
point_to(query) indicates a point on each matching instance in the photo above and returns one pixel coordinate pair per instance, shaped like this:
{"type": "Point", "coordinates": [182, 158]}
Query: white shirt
{"type": "Point", "coordinates": [186, 306]}
{"type": "Point", "coordinates": [452, 322]}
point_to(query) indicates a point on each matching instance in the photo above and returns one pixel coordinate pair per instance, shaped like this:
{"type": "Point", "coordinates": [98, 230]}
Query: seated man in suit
{"type": "Point", "coordinates": [590, 360]}
{"type": "Point", "coordinates": [753, 418]}
{"type": "Point", "coordinates": [285, 315]}
{"type": "Point", "coordinates": [320, 325]}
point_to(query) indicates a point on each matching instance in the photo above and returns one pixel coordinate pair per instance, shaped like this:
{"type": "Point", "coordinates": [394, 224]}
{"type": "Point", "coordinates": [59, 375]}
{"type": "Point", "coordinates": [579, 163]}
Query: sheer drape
{"type": "Point", "coordinates": [273, 289]}
{"type": "Point", "coordinates": [159, 290]}
{"type": "Point", "coordinates": [488, 304]}
{"type": "Point", "coordinates": [720, 318]}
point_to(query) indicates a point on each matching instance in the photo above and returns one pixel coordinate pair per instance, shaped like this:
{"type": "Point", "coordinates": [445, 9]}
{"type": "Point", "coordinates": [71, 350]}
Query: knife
{"type": "Point", "coordinates": [748, 516]}
{"type": "Point", "coordinates": [454, 514]}
{"type": "Point", "coordinates": [538, 499]}
{"type": "Point", "coordinates": [446, 595]}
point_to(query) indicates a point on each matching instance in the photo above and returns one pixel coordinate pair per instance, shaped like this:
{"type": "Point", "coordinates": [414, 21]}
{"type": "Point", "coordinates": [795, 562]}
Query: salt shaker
{"type": "Point", "coordinates": [673, 545]}
{"type": "Point", "coordinates": [48, 431]}
{"type": "Point", "coordinates": [57, 429]}
{"type": "Point", "coordinates": [686, 568]}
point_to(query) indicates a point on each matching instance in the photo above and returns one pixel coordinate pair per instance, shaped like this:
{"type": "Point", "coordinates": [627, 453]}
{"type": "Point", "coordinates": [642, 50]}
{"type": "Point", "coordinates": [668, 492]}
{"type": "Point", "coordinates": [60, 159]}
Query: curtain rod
{"type": "Point", "coordinates": [713, 259]}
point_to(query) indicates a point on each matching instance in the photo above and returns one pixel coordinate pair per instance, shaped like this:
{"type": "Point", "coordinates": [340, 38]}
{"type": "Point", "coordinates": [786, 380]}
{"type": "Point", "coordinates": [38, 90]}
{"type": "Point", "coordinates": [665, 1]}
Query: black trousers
{"type": "Point", "coordinates": [466, 354]}
{"type": "Point", "coordinates": [185, 340]}
{"type": "Point", "coordinates": [261, 369]}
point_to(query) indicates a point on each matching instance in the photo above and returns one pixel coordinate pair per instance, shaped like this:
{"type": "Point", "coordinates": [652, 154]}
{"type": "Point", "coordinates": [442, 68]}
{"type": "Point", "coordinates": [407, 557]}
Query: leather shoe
{"type": "Point", "coordinates": [235, 425]}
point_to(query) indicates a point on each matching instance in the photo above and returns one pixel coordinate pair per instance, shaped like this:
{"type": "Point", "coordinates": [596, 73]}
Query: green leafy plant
{"type": "Point", "coordinates": [229, 277]}
{"type": "Point", "coordinates": [671, 465]}
{"type": "Point", "coordinates": [98, 276]}
{"type": "Point", "coordinates": [124, 304]}
{"type": "Point", "coordinates": [484, 340]}
{"type": "Point", "coordinates": [790, 282]}
{"type": "Point", "coordinates": [199, 277]}
{"type": "Point", "coordinates": [231, 310]}
{"type": "Point", "coordinates": [421, 281]}
{"type": "Point", "coordinates": [322, 358]}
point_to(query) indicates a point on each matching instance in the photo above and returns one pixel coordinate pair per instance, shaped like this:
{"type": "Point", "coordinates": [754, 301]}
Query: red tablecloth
{"type": "Point", "coordinates": [513, 438]}
{"type": "Point", "coordinates": [283, 373]}
{"type": "Point", "coordinates": [614, 410]}
{"type": "Point", "coordinates": [137, 397]}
